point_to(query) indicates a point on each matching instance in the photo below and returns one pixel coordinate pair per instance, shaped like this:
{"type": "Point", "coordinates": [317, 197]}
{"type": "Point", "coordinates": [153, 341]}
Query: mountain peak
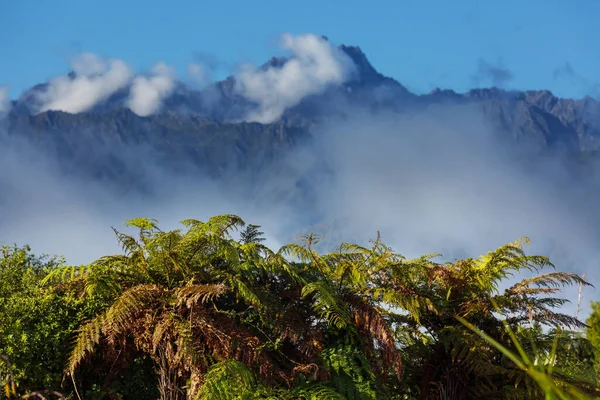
{"type": "Point", "coordinates": [275, 62]}
{"type": "Point", "coordinates": [366, 71]}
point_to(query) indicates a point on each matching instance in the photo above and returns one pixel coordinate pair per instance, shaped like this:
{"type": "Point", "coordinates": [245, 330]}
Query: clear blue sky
{"type": "Point", "coordinates": [422, 44]}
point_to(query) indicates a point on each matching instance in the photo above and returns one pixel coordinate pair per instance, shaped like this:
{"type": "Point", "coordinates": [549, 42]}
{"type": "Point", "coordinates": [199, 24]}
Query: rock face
{"type": "Point", "coordinates": [202, 128]}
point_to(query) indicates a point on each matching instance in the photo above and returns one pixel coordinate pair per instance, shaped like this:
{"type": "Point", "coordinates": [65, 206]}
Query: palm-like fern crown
{"type": "Point", "coordinates": [216, 309]}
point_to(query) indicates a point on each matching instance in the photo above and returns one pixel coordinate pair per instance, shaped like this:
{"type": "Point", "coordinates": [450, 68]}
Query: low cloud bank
{"type": "Point", "coordinates": [440, 181]}
{"type": "Point", "coordinates": [445, 181]}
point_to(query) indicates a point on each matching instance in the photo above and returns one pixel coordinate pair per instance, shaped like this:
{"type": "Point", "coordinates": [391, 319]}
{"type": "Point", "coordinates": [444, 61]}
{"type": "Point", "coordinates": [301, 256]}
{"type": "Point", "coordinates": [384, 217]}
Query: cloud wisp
{"type": "Point", "coordinates": [496, 74]}
{"type": "Point", "coordinates": [568, 73]}
{"type": "Point", "coordinates": [199, 74]}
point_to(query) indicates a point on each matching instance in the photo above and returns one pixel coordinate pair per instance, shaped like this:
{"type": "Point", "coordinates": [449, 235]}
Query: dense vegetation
{"type": "Point", "coordinates": [198, 314]}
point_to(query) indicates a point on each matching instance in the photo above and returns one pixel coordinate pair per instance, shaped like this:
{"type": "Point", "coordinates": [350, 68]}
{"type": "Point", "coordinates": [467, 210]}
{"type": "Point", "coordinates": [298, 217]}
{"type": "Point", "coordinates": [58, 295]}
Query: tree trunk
{"type": "Point", "coordinates": [171, 384]}
{"type": "Point", "coordinates": [195, 384]}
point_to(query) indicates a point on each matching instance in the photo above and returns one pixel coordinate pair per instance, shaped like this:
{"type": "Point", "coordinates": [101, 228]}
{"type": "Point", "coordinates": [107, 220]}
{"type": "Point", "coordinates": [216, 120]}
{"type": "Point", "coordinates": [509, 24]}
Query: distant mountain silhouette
{"type": "Point", "coordinates": [202, 127]}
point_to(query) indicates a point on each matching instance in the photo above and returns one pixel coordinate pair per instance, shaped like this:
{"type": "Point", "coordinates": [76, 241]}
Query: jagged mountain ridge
{"type": "Point", "coordinates": [203, 128]}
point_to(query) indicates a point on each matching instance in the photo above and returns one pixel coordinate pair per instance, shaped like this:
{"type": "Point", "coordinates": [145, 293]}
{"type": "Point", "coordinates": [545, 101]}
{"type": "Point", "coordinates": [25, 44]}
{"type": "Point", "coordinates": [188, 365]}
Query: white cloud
{"type": "Point", "coordinates": [199, 74]}
{"type": "Point", "coordinates": [315, 64]}
{"type": "Point", "coordinates": [88, 64]}
{"type": "Point", "coordinates": [95, 80]}
{"type": "Point", "coordinates": [147, 93]}
{"type": "Point", "coordinates": [4, 99]}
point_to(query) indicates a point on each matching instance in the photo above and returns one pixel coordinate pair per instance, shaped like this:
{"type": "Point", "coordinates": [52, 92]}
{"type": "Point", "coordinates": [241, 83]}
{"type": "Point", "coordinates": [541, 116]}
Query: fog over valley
{"type": "Point", "coordinates": [318, 141]}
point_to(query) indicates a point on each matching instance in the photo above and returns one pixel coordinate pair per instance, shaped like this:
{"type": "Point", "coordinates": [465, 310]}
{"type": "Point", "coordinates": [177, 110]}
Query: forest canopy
{"type": "Point", "coordinates": [210, 312]}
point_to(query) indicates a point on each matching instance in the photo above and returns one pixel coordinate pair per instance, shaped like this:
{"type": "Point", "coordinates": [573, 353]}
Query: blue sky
{"type": "Point", "coordinates": [530, 44]}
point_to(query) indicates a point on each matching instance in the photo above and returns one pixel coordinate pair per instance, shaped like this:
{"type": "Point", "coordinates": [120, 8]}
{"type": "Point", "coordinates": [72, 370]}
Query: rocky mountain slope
{"type": "Point", "coordinates": [203, 128]}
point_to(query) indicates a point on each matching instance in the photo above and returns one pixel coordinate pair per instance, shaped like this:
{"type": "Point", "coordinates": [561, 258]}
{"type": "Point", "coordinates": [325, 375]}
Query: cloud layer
{"type": "Point", "coordinates": [444, 179]}
{"type": "Point", "coordinates": [315, 64]}
{"type": "Point", "coordinates": [441, 180]}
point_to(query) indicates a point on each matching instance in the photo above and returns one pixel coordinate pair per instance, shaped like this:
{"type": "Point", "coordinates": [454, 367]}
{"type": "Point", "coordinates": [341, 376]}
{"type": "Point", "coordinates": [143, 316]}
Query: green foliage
{"type": "Point", "coordinates": [542, 366]}
{"type": "Point", "coordinates": [351, 373]}
{"type": "Point", "coordinates": [593, 332]}
{"type": "Point", "coordinates": [228, 380]}
{"type": "Point", "coordinates": [36, 324]}
{"type": "Point", "coordinates": [252, 235]}
{"type": "Point", "coordinates": [194, 313]}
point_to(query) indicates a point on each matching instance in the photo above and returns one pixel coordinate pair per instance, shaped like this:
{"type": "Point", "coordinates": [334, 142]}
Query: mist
{"type": "Point", "coordinates": [445, 181]}
{"type": "Point", "coordinates": [436, 180]}
{"type": "Point", "coordinates": [58, 213]}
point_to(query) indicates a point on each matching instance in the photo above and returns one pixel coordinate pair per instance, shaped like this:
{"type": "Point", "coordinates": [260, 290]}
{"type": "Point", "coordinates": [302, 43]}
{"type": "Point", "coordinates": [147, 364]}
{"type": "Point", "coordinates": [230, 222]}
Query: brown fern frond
{"type": "Point", "coordinates": [192, 294]}
{"type": "Point", "coordinates": [370, 321]}
{"type": "Point", "coordinates": [122, 313]}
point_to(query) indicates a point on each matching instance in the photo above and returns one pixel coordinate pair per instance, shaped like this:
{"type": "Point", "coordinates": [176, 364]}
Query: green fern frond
{"type": "Point", "coordinates": [227, 380]}
{"type": "Point", "coordinates": [220, 225]}
{"type": "Point", "coordinates": [144, 224]}
{"type": "Point", "coordinates": [352, 374]}
{"type": "Point", "coordinates": [66, 273]}
{"type": "Point", "coordinates": [326, 303]}
{"type": "Point", "coordinates": [315, 392]}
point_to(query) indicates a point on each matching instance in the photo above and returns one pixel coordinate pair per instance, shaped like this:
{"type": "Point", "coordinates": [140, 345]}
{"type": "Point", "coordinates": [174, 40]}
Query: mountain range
{"type": "Point", "coordinates": [207, 129]}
